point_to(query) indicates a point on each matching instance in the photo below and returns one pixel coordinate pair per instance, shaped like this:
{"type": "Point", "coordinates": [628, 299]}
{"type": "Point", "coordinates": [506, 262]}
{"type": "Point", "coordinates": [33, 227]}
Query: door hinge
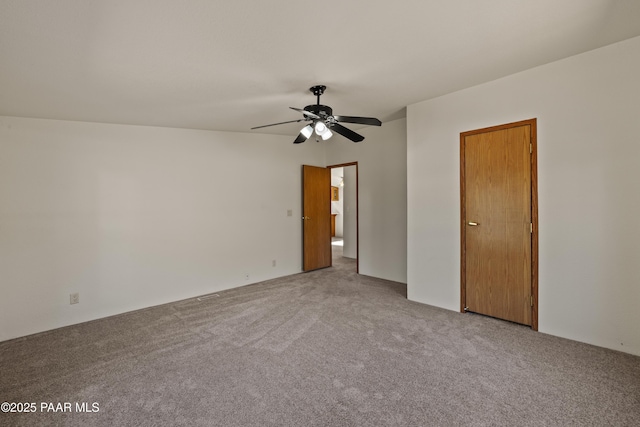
{"type": "Point", "coordinates": [531, 300]}
{"type": "Point", "coordinates": [530, 148]}
{"type": "Point", "coordinates": [531, 228]}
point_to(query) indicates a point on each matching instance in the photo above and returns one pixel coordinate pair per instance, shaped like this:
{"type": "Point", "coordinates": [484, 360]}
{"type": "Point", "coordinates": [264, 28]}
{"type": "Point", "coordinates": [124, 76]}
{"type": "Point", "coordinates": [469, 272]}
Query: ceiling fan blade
{"type": "Point", "coordinates": [281, 123]}
{"type": "Point", "coordinates": [347, 133]}
{"type": "Point", "coordinates": [371, 121]}
{"type": "Point", "coordinates": [301, 138]}
{"type": "Point", "coordinates": [306, 113]}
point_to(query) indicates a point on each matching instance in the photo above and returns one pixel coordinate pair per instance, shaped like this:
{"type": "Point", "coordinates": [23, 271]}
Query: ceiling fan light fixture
{"type": "Point", "coordinates": [307, 131]}
{"type": "Point", "coordinates": [322, 130]}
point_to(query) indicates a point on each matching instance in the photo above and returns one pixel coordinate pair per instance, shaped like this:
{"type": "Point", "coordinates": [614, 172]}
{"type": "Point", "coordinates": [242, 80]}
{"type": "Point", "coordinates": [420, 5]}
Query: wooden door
{"type": "Point", "coordinates": [316, 218]}
{"type": "Point", "coordinates": [497, 228]}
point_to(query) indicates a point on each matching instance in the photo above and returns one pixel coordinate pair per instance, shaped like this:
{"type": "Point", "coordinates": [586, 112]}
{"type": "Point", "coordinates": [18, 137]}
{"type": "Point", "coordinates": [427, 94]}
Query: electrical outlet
{"type": "Point", "coordinates": [273, 263]}
{"type": "Point", "coordinates": [74, 298]}
{"type": "Point", "coordinates": [289, 212]}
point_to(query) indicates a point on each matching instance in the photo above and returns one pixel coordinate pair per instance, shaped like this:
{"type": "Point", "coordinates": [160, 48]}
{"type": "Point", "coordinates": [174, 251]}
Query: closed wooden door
{"type": "Point", "coordinates": [316, 217]}
{"type": "Point", "coordinates": [497, 228]}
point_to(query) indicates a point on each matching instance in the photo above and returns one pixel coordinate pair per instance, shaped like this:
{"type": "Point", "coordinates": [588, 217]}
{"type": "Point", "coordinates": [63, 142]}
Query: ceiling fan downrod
{"type": "Point", "coordinates": [317, 91]}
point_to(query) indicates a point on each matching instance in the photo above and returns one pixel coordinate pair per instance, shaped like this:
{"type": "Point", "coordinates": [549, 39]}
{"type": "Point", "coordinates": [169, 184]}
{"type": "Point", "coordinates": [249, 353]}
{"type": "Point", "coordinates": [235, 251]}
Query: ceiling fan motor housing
{"type": "Point", "coordinates": [320, 110]}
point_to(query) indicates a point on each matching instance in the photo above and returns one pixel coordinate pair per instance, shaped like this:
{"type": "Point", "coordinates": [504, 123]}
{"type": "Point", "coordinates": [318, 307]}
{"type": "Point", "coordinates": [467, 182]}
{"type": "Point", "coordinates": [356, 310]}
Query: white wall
{"type": "Point", "coordinates": [132, 216]}
{"type": "Point", "coordinates": [382, 167]}
{"type": "Point", "coordinates": [588, 111]}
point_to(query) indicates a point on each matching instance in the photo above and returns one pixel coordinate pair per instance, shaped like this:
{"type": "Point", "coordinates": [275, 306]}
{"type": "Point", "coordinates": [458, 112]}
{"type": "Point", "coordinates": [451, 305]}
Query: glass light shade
{"type": "Point", "coordinates": [307, 131]}
{"type": "Point", "coordinates": [320, 128]}
{"type": "Point", "coordinates": [326, 134]}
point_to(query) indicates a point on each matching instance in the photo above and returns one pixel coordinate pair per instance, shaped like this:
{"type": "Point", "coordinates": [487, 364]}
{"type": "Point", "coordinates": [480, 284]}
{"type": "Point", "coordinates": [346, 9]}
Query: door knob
{"type": "Point", "coordinates": [473, 223]}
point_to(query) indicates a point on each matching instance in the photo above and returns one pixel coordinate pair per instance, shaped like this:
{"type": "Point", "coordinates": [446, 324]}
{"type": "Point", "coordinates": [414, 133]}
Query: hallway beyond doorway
{"type": "Point", "coordinates": [337, 254]}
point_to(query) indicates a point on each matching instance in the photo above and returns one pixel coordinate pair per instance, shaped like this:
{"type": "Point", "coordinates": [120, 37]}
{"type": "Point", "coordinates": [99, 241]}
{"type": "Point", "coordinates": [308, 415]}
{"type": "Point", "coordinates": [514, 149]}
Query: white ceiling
{"type": "Point", "coordinates": [231, 65]}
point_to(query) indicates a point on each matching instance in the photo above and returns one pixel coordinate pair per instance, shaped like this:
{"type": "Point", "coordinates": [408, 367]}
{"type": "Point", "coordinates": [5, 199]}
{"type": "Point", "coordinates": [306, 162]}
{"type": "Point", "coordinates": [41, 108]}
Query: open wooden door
{"type": "Point", "coordinates": [499, 257]}
{"type": "Point", "coordinates": [316, 218]}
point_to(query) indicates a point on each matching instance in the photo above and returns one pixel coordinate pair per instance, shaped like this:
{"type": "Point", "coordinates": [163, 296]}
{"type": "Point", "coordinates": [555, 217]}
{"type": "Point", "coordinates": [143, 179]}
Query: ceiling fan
{"type": "Point", "coordinates": [323, 121]}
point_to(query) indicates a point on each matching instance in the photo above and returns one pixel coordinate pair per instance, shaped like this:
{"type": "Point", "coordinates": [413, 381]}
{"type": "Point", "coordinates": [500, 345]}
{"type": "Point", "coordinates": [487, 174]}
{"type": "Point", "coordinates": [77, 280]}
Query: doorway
{"type": "Point", "coordinates": [317, 193]}
{"type": "Point", "coordinates": [499, 228]}
{"type": "Point", "coordinates": [345, 244]}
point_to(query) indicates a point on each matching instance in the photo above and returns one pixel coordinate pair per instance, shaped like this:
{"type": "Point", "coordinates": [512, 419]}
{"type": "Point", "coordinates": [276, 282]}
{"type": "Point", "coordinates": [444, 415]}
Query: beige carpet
{"type": "Point", "coordinates": [327, 348]}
